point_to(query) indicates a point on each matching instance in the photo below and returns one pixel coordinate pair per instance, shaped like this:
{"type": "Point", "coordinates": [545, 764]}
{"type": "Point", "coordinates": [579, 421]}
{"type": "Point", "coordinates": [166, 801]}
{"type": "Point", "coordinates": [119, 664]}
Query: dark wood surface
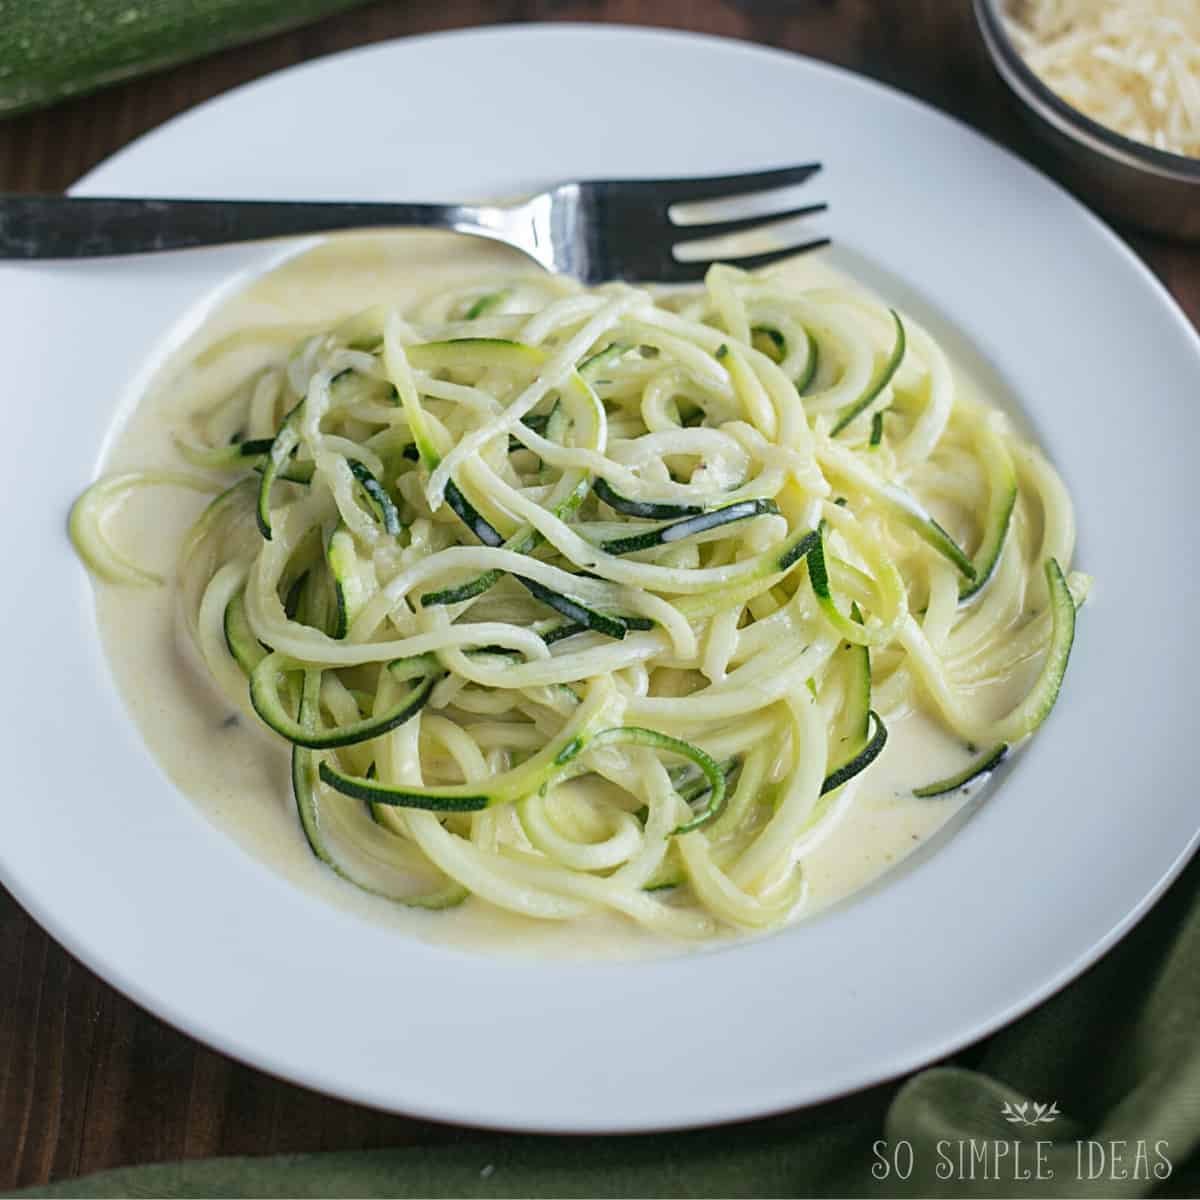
{"type": "Point", "coordinates": [87, 1079]}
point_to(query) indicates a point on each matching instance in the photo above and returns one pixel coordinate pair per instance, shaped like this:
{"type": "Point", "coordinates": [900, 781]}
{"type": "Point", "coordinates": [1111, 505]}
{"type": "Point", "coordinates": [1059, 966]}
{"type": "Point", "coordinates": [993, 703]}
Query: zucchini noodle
{"type": "Point", "coordinates": [574, 601]}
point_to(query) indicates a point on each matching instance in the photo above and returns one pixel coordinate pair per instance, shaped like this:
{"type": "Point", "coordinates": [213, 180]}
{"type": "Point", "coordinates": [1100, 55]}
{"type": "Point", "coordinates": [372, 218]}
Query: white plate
{"type": "Point", "coordinates": [1082, 835]}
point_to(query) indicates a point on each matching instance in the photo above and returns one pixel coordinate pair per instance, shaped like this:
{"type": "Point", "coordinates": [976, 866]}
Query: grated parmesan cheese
{"type": "Point", "coordinates": [1133, 65]}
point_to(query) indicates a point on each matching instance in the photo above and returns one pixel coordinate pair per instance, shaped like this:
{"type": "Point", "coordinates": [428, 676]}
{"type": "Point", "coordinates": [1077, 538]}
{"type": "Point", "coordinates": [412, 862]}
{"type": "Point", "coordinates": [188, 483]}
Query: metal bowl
{"type": "Point", "coordinates": [1126, 180]}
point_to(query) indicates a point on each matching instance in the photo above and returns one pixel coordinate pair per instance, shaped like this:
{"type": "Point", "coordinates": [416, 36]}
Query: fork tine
{"type": "Point", "coordinates": [694, 270]}
{"type": "Point", "coordinates": [750, 261]}
{"type": "Point", "coordinates": [675, 271]}
{"type": "Point", "coordinates": [714, 187]}
{"type": "Point", "coordinates": [695, 233]}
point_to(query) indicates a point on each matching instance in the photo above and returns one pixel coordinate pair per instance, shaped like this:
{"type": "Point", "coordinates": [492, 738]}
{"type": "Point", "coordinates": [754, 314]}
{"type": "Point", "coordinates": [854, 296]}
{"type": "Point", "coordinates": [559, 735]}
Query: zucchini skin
{"type": "Point", "coordinates": [363, 789]}
{"type": "Point", "coordinates": [466, 591]}
{"type": "Point", "coordinates": [48, 51]}
{"type": "Point", "coordinates": [571, 628]}
{"type": "Point", "coordinates": [797, 549]}
{"type": "Point", "coordinates": [876, 437]}
{"type": "Point", "coordinates": [854, 723]}
{"type": "Point", "coordinates": [818, 576]}
{"type": "Point", "coordinates": [383, 505]}
{"type": "Point", "coordinates": [245, 648]}
{"type": "Point", "coordinates": [1002, 499]}
{"type": "Point", "coordinates": [462, 798]}
{"type": "Point", "coordinates": [814, 364]}
{"type": "Point", "coordinates": [649, 509]}
{"type": "Point", "coordinates": [933, 534]}
{"type": "Point", "coordinates": [861, 761]}
{"type": "Point", "coordinates": [984, 765]}
{"type": "Point", "coordinates": [686, 527]}
{"type": "Point", "coordinates": [882, 378]}
{"type": "Point", "coordinates": [613, 627]}
{"type": "Point", "coordinates": [341, 557]}
{"type": "Point", "coordinates": [284, 444]}
{"type": "Point", "coordinates": [471, 518]}
{"type": "Point", "coordinates": [306, 793]}
{"type": "Point", "coordinates": [1042, 698]}
{"type": "Point", "coordinates": [485, 304]}
{"type": "Point", "coordinates": [264, 697]}
{"type": "Point", "coordinates": [927, 529]}
{"type": "Point", "coordinates": [304, 771]}
{"type": "Point", "coordinates": [714, 773]}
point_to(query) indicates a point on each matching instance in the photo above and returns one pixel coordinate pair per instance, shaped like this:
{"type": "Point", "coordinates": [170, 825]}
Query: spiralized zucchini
{"type": "Point", "coordinates": [574, 600]}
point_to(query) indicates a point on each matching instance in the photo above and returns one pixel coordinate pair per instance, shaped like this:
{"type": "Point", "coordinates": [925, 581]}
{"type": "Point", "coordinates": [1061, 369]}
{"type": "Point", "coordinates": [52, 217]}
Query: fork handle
{"type": "Point", "coordinates": [88, 227]}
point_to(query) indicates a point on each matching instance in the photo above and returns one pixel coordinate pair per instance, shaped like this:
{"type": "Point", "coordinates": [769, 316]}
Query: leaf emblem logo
{"type": "Point", "coordinates": [1030, 1112]}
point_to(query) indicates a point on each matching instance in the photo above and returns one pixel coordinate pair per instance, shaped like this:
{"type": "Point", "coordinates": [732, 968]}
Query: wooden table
{"type": "Point", "coordinates": [88, 1080]}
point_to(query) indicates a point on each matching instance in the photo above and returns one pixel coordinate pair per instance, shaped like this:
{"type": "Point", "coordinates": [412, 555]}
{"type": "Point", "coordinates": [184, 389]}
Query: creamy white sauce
{"type": "Point", "coordinates": [237, 773]}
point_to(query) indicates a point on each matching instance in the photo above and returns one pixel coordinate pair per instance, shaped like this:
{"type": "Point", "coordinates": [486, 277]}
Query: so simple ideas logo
{"type": "Point", "coordinates": [1011, 1161]}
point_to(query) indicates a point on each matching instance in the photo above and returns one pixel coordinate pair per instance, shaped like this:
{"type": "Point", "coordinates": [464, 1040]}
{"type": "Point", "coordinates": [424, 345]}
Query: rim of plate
{"type": "Point", "coordinates": [134, 881]}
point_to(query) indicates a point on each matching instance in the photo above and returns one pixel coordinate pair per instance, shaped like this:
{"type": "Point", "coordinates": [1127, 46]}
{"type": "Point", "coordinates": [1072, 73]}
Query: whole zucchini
{"type": "Point", "coordinates": [51, 49]}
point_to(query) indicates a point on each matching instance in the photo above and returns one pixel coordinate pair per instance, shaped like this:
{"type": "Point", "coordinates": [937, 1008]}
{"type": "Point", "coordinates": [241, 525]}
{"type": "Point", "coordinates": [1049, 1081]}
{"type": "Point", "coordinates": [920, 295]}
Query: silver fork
{"type": "Point", "coordinates": [594, 231]}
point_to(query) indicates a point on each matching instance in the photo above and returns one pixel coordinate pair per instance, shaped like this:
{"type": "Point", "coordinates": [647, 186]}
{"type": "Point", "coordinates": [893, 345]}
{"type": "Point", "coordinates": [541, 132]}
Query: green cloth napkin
{"type": "Point", "coordinates": [1113, 1061]}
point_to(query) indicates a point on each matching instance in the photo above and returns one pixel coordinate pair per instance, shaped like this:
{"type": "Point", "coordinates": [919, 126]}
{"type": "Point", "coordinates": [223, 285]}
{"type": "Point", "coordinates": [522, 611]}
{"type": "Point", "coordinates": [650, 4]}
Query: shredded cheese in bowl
{"type": "Point", "coordinates": [1133, 65]}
